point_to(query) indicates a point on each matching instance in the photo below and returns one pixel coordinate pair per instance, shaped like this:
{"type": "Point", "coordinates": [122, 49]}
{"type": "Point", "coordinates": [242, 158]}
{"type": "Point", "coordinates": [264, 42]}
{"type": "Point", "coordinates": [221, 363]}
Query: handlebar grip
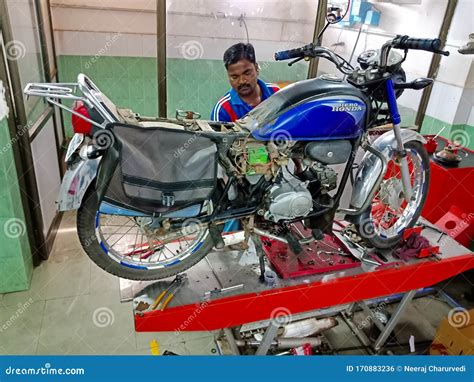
{"type": "Point", "coordinates": [293, 53]}
{"type": "Point", "coordinates": [287, 54]}
{"type": "Point", "coordinates": [428, 44]}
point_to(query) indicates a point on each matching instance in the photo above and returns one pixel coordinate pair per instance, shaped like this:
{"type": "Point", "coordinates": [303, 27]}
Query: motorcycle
{"type": "Point", "coordinates": [152, 194]}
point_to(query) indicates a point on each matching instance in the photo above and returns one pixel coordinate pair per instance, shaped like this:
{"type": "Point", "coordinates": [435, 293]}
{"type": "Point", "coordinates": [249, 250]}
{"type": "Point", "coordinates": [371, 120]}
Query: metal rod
{"type": "Point", "coordinates": [284, 343]}
{"type": "Point", "coordinates": [407, 298]}
{"type": "Point", "coordinates": [268, 338]}
{"type": "Point", "coordinates": [371, 314]}
{"type": "Point", "coordinates": [61, 106]}
{"type": "Point", "coordinates": [358, 333]}
{"type": "Point", "coordinates": [435, 63]}
{"type": "Point", "coordinates": [161, 59]}
{"type": "Point", "coordinates": [56, 72]}
{"type": "Point", "coordinates": [319, 23]}
{"type": "Point", "coordinates": [42, 26]}
{"type": "Point", "coordinates": [231, 341]}
{"type": "Point", "coordinates": [22, 150]}
{"type": "Point", "coordinates": [223, 290]}
{"type": "Point", "coordinates": [356, 42]}
{"type": "Point", "coordinates": [260, 232]}
{"type": "Point", "coordinates": [214, 273]}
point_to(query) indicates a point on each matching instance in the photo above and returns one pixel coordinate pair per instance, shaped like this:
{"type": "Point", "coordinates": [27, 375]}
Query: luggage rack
{"type": "Point", "coordinates": [224, 291]}
{"type": "Point", "coordinates": [84, 90]}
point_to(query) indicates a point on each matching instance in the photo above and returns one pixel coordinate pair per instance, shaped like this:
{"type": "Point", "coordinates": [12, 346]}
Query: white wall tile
{"type": "Point", "coordinates": [444, 101]}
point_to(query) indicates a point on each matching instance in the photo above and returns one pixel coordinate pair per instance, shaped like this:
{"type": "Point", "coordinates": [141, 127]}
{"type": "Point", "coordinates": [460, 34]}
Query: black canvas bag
{"type": "Point", "coordinates": [156, 169]}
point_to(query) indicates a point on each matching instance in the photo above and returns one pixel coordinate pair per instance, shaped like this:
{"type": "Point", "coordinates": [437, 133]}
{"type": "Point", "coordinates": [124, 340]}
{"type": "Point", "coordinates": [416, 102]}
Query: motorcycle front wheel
{"type": "Point", "coordinates": [383, 223]}
{"type": "Point", "coordinates": [128, 247]}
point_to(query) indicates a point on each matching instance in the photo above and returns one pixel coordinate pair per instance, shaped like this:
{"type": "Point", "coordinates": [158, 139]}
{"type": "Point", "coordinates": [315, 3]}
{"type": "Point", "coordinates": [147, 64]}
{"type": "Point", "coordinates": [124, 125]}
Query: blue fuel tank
{"type": "Point", "coordinates": [310, 110]}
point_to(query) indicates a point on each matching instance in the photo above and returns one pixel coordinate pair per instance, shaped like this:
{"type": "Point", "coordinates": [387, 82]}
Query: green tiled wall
{"type": "Point", "coordinates": [196, 85]}
{"type": "Point", "coordinates": [15, 254]}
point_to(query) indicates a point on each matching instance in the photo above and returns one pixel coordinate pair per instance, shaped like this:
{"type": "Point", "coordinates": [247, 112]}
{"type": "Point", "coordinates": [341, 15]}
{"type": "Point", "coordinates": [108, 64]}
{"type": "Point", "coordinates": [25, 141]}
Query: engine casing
{"type": "Point", "coordinates": [288, 200]}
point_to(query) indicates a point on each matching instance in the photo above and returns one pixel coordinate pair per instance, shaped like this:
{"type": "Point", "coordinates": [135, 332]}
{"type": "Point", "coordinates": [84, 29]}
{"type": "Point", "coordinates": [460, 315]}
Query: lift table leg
{"type": "Point", "coordinates": [231, 340]}
{"type": "Point", "coordinates": [268, 338]}
{"type": "Point", "coordinates": [407, 298]}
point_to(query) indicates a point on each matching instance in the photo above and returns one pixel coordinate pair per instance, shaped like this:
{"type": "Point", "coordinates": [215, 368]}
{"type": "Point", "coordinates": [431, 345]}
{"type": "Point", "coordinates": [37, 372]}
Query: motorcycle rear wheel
{"type": "Point", "coordinates": [102, 252]}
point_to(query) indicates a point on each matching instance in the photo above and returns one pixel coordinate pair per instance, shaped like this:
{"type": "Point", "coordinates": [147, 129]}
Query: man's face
{"type": "Point", "coordinates": [243, 77]}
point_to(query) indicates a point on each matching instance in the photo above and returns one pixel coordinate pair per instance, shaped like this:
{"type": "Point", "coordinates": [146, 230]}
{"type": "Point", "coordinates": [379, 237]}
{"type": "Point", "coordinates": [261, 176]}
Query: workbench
{"type": "Point", "coordinates": [245, 299]}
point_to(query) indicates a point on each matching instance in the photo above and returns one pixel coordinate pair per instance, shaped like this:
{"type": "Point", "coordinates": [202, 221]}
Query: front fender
{"type": "Point", "coordinates": [75, 183]}
{"type": "Point", "coordinates": [371, 166]}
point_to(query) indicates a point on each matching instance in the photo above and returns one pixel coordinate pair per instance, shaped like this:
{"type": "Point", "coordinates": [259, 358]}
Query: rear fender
{"type": "Point", "coordinates": [75, 183]}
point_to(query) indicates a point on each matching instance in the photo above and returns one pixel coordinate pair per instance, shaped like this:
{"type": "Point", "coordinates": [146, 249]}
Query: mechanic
{"type": "Point", "coordinates": [247, 89]}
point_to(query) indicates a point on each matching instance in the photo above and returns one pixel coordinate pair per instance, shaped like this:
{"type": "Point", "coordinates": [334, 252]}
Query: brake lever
{"type": "Point", "coordinates": [443, 52]}
{"type": "Point", "coordinates": [295, 61]}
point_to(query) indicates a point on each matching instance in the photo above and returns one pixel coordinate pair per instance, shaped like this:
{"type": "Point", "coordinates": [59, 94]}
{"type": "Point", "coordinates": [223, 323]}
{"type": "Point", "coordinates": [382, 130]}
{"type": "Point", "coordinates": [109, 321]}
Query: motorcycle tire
{"type": "Point", "coordinates": [86, 230]}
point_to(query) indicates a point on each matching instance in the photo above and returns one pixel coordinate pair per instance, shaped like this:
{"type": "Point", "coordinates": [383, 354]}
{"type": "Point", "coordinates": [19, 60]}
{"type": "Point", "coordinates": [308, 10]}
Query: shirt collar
{"type": "Point", "coordinates": [236, 100]}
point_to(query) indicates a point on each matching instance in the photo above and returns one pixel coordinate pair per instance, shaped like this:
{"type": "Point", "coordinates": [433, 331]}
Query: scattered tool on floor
{"type": "Point", "coordinates": [154, 347]}
{"type": "Point", "coordinates": [167, 295]}
{"type": "Point", "coordinates": [432, 227]}
{"type": "Point", "coordinates": [223, 290]}
{"type": "Point", "coordinates": [350, 242]}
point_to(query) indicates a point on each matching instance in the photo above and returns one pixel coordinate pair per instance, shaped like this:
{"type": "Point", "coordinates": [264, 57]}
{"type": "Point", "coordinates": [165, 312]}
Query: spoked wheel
{"type": "Point", "coordinates": [136, 248]}
{"type": "Point", "coordinates": [382, 225]}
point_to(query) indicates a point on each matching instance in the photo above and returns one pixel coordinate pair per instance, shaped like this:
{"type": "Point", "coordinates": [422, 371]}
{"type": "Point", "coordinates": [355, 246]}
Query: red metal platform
{"type": "Point", "coordinates": [255, 301]}
{"type": "Point", "coordinates": [316, 257]}
{"type": "Point", "coordinates": [450, 201]}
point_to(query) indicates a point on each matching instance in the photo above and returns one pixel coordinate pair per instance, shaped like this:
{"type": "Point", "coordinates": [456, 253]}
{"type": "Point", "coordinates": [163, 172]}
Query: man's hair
{"type": "Point", "coordinates": [239, 52]}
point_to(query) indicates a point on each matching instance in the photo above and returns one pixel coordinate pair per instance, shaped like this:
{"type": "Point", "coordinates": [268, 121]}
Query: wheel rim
{"type": "Point", "coordinates": [131, 241]}
{"type": "Point", "coordinates": [391, 213]}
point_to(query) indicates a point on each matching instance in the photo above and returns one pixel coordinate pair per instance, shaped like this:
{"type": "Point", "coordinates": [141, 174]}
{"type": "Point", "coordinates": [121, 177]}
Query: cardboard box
{"type": "Point", "coordinates": [455, 334]}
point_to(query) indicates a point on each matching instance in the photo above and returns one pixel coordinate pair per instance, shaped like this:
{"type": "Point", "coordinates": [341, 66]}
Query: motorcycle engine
{"type": "Point", "coordinates": [288, 199]}
{"type": "Point", "coordinates": [322, 178]}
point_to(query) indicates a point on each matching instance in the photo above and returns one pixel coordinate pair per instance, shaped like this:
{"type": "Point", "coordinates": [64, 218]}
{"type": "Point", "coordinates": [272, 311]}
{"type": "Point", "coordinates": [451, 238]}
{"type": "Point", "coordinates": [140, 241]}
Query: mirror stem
{"type": "Point", "coordinates": [321, 33]}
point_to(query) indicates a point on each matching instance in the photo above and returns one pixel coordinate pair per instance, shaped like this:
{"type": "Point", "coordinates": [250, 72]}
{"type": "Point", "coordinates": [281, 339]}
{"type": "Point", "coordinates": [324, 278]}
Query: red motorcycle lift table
{"type": "Point", "coordinates": [224, 290]}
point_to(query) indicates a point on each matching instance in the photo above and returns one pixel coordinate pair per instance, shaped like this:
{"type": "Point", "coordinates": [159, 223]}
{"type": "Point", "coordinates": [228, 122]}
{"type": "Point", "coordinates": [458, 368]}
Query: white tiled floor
{"type": "Point", "coordinates": [73, 307]}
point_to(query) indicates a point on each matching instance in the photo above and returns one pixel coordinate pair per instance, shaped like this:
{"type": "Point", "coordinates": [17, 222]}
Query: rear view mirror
{"type": "Point", "coordinates": [336, 11]}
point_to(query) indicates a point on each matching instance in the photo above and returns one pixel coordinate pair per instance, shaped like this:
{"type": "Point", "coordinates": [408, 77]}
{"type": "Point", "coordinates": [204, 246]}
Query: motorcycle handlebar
{"type": "Point", "coordinates": [430, 45]}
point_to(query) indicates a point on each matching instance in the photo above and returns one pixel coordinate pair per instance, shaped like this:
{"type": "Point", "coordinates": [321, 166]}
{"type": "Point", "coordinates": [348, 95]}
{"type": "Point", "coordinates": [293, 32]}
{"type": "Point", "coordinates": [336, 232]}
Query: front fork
{"type": "Point", "coordinates": [401, 153]}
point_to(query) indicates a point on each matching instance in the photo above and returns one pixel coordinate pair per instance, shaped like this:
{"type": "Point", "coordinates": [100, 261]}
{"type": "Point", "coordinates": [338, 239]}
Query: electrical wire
{"type": "Point", "coordinates": [242, 21]}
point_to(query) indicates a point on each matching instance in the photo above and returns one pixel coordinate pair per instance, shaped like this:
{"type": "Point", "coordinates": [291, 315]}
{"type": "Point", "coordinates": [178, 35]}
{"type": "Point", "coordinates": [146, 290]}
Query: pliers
{"type": "Point", "coordinates": [165, 297]}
